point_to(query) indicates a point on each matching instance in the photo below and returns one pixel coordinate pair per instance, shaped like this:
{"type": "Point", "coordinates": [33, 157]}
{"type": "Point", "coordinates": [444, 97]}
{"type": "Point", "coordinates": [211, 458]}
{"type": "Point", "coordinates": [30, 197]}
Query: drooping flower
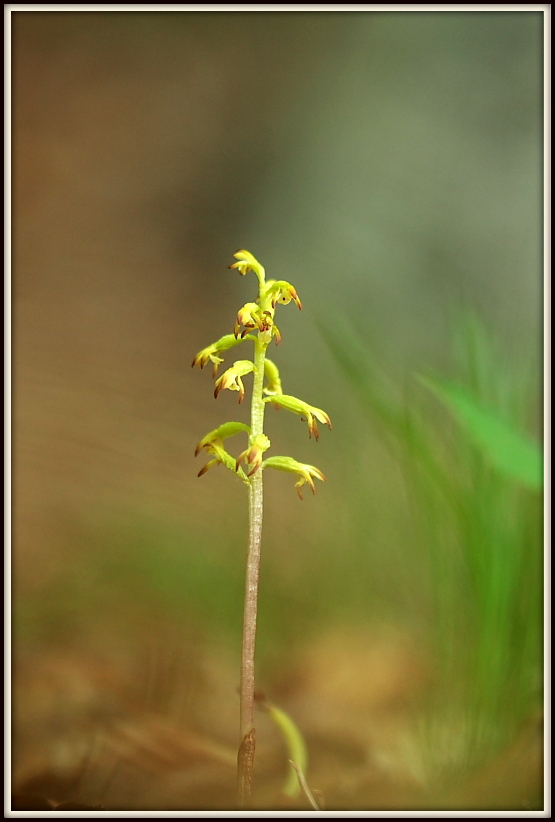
{"type": "Point", "coordinates": [213, 444]}
{"type": "Point", "coordinates": [215, 438]}
{"type": "Point", "coordinates": [307, 473]}
{"type": "Point", "coordinates": [231, 378]}
{"type": "Point", "coordinates": [303, 409]}
{"type": "Point", "coordinates": [211, 352]}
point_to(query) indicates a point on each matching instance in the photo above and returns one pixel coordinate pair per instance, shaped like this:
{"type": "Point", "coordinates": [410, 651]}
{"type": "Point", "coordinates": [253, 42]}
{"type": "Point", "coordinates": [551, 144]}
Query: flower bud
{"type": "Point", "coordinates": [273, 384]}
{"type": "Point", "coordinates": [247, 262]}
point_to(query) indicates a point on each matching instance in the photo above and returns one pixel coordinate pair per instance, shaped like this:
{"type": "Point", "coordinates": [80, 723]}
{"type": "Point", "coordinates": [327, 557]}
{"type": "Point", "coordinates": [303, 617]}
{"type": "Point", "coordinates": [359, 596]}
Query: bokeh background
{"type": "Point", "coordinates": [389, 165]}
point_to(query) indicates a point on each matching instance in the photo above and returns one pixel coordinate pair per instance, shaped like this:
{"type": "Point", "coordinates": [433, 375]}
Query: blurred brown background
{"type": "Point", "coordinates": [389, 165]}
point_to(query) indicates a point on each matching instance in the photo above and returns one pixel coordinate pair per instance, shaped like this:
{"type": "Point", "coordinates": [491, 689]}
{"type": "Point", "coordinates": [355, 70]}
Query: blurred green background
{"type": "Point", "coordinates": [389, 165]}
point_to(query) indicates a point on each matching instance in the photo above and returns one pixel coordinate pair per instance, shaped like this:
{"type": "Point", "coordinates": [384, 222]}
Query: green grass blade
{"type": "Point", "coordinates": [512, 453]}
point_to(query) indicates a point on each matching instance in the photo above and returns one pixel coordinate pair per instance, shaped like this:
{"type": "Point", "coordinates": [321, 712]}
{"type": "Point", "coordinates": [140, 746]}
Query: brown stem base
{"type": "Point", "coordinates": [245, 764]}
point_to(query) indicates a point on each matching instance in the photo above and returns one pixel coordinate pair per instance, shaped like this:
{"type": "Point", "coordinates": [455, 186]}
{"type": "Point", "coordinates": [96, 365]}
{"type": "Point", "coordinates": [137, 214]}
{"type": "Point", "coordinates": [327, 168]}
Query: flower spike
{"type": "Point", "coordinates": [255, 322]}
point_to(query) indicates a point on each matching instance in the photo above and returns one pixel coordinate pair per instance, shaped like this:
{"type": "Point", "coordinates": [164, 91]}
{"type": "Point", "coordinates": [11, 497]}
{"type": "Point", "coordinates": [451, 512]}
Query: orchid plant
{"type": "Point", "coordinates": [255, 323]}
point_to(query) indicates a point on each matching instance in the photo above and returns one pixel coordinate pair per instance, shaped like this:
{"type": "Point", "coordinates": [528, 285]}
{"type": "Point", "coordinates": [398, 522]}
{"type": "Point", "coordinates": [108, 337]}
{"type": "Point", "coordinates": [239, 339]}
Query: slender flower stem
{"type": "Point", "coordinates": [255, 323]}
{"type": "Point", "coordinates": [246, 751]}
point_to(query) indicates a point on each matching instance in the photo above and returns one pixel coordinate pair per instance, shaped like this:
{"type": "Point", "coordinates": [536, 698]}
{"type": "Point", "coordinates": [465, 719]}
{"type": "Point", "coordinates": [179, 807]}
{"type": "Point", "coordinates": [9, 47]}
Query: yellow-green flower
{"type": "Point", "coordinates": [231, 378]}
{"type": "Point", "coordinates": [211, 352]}
{"type": "Point", "coordinates": [279, 291]}
{"type": "Point", "coordinates": [213, 444]}
{"type": "Point", "coordinates": [215, 438]}
{"type": "Point", "coordinates": [303, 409]}
{"type": "Point", "coordinates": [253, 454]}
{"type": "Point", "coordinates": [249, 316]}
{"type": "Point", "coordinates": [307, 473]}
